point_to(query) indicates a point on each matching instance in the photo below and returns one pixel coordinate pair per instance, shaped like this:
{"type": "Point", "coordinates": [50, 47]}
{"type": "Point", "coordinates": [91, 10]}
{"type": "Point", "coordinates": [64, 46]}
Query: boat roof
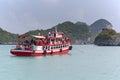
{"type": "Point", "coordinates": [22, 36]}
{"type": "Point", "coordinates": [38, 36]}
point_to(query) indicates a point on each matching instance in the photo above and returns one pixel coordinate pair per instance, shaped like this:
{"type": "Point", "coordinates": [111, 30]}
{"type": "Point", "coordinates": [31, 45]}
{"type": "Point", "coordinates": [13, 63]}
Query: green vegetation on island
{"type": "Point", "coordinates": [105, 38]}
{"type": "Point", "coordinates": [75, 32]}
{"type": "Point", "coordinates": [7, 37]}
{"type": "Point", "coordinates": [108, 37]}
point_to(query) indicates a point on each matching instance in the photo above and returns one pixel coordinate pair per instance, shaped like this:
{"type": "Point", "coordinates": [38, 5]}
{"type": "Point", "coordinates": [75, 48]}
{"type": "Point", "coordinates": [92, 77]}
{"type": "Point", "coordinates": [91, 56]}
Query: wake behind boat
{"type": "Point", "coordinates": [54, 43]}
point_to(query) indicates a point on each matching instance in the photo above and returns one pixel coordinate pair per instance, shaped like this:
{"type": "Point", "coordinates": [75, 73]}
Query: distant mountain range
{"type": "Point", "coordinates": [73, 31]}
{"type": "Point", "coordinates": [98, 25]}
{"type": "Point", "coordinates": [7, 37]}
{"type": "Point", "coordinates": [78, 32]}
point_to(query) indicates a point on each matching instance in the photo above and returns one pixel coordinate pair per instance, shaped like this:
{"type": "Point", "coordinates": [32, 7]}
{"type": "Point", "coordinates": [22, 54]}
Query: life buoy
{"type": "Point", "coordinates": [17, 46]}
{"type": "Point", "coordinates": [70, 48]}
{"type": "Point", "coordinates": [60, 50]}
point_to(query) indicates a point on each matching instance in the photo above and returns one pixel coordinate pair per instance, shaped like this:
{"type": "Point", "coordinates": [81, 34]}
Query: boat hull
{"type": "Point", "coordinates": [21, 52]}
{"type": "Point", "coordinates": [38, 53]}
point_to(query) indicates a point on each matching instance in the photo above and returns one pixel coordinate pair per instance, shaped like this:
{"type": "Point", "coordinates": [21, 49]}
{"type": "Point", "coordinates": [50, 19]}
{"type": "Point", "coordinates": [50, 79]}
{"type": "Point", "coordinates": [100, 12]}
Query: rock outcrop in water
{"type": "Point", "coordinates": [108, 37]}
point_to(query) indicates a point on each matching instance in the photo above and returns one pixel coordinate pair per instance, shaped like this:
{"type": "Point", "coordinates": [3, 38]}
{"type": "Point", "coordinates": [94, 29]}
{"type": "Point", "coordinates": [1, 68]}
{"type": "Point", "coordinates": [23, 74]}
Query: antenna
{"type": "Point", "coordinates": [55, 28]}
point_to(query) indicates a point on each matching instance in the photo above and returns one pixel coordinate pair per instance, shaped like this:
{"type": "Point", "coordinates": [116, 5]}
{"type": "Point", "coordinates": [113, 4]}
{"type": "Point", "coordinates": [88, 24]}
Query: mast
{"type": "Point", "coordinates": [55, 29]}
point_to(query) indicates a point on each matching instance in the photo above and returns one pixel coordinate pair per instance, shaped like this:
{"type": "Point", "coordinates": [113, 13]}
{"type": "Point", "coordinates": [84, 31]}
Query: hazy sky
{"type": "Point", "coordinates": [19, 16]}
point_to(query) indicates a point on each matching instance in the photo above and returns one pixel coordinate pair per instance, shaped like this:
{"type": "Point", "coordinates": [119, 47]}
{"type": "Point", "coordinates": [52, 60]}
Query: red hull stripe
{"type": "Point", "coordinates": [38, 53]}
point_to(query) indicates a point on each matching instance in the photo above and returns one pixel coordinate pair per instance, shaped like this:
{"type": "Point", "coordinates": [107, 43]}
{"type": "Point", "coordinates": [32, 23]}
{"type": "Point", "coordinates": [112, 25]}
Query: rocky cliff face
{"type": "Point", "coordinates": [98, 25]}
{"type": "Point", "coordinates": [116, 39]}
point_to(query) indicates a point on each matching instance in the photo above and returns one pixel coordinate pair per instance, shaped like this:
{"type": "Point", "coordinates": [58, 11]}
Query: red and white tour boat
{"type": "Point", "coordinates": [54, 43]}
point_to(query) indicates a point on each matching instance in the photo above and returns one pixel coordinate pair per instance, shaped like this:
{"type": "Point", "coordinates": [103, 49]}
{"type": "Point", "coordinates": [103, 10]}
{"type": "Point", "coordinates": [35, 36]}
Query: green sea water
{"type": "Point", "coordinates": [84, 62]}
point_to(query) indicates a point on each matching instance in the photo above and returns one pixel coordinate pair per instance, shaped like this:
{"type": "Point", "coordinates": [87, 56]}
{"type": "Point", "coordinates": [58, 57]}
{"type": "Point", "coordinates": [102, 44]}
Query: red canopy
{"type": "Point", "coordinates": [22, 36]}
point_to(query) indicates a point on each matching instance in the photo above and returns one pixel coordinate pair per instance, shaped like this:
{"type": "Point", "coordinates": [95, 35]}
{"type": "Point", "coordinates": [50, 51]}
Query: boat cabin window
{"type": "Point", "coordinates": [59, 46]}
{"type": "Point", "coordinates": [44, 47]}
{"type": "Point", "coordinates": [51, 47]}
